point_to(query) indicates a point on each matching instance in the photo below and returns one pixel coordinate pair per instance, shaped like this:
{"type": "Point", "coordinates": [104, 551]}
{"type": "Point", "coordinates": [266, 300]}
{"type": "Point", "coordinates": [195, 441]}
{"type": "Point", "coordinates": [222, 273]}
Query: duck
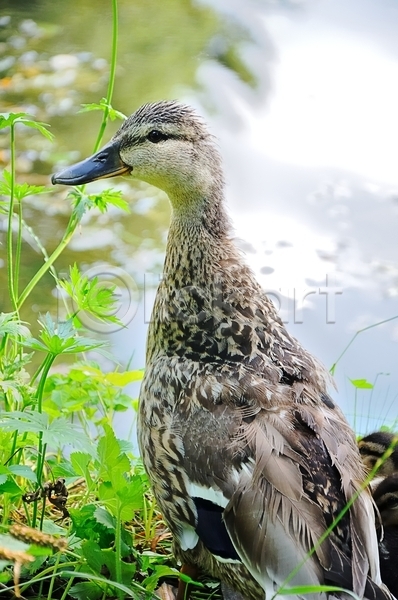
{"type": "Point", "coordinates": [386, 498]}
{"type": "Point", "coordinates": [249, 457]}
{"type": "Point", "coordinates": [373, 446]}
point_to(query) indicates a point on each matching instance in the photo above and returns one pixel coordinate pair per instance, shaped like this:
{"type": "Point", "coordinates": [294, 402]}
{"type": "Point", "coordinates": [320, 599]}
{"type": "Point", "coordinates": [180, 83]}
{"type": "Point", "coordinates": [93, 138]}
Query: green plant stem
{"type": "Point", "coordinates": [41, 448]}
{"type": "Point", "coordinates": [47, 364]}
{"type": "Point", "coordinates": [43, 513]}
{"type": "Point", "coordinates": [14, 443]}
{"type": "Point", "coordinates": [27, 515]}
{"type": "Point", "coordinates": [52, 581]}
{"type": "Point", "coordinates": [41, 576]}
{"type": "Point", "coordinates": [118, 552]}
{"type": "Point", "coordinates": [10, 257]}
{"type": "Point", "coordinates": [111, 82]}
{"type": "Point", "coordinates": [148, 517]}
{"type": "Point", "coordinates": [333, 367]}
{"type": "Point", "coordinates": [70, 230]}
{"type": "Point", "coordinates": [66, 590]}
{"type": "Point", "coordinates": [18, 249]}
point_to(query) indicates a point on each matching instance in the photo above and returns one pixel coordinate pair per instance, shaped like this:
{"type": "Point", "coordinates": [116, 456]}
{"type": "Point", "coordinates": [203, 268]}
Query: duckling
{"type": "Point", "coordinates": [373, 446]}
{"type": "Point", "coordinates": [386, 498]}
{"type": "Point", "coordinates": [249, 458]}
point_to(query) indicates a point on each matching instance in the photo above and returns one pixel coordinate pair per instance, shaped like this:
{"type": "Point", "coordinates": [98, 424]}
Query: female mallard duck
{"type": "Point", "coordinates": [373, 446]}
{"type": "Point", "coordinates": [250, 460]}
{"type": "Point", "coordinates": [386, 498]}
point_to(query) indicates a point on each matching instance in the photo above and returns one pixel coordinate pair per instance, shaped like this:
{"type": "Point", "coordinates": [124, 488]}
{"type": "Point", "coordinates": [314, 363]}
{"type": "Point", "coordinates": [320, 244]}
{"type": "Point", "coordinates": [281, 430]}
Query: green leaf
{"type": "Point", "coordinates": [61, 338]}
{"type": "Point", "coordinates": [105, 518]}
{"type": "Point", "coordinates": [83, 202]}
{"type": "Point", "coordinates": [97, 299]}
{"type": "Point", "coordinates": [23, 471]}
{"type": "Point", "coordinates": [93, 555]}
{"type": "Point", "coordinates": [151, 582]}
{"type": "Point", "coordinates": [56, 433]}
{"type": "Point", "coordinates": [112, 462]}
{"type": "Point", "coordinates": [113, 197]}
{"type": "Point", "coordinates": [87, 590]}
{"type": "Point", "coordinates": [11, 325]}
{"type": "Point", "coordinates": [20, 190]}
{"type": "Point", "coordinates": [80, 462]}
{"type": "Point", "coordinates": [10, 119]}
{"type": "Point", "coordinates": [105, 107]}
{"type": "Point", "coordinates": [362, 384]}
{"type": "Point", "coordinates": [10, 487]}
{"type": "Point", "coordinates": [86, 527]}
{"type": "Point", "coordinates": [53, 529]}
{"type": "Point", "coordinates": [302, 590]}
{"type": "Point", "coordinates": [122, 379]}
{"type": "Point", "coordinates": [126, 590]}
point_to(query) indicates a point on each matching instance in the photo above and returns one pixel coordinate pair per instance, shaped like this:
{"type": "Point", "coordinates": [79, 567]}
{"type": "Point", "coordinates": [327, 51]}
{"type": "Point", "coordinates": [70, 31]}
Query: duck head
{"type": "Point", "coordinates": [165, 144]}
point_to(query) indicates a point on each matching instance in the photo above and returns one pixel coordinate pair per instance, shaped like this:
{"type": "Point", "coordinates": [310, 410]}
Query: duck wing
{"type": "Point", "coordinates": [267, 482]}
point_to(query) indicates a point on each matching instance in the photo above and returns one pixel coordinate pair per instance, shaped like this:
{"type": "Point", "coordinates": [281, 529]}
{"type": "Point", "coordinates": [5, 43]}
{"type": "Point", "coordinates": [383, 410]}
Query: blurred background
{"type": "Point", "coordinates": [302, 96]}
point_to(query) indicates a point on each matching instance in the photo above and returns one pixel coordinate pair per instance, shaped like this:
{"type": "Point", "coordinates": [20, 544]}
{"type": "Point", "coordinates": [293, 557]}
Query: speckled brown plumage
{"type": "Point", "coordinates": [249, 458]}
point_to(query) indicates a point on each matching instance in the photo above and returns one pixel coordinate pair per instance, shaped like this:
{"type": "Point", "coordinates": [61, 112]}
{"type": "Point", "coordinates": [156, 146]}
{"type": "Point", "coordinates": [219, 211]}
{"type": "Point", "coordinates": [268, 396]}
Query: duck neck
{"type": "Point", "coordinates": [204, 276]}
{"type": "Point", "coordinates": [198, 242]}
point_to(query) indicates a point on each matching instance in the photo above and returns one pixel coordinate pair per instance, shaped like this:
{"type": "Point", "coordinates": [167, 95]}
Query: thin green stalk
{"type": "Point", "coordinates": [333, 367]}
{"type": "Point", "coordinates": [41, 576]}
{"type": "Point", "coordinates": [43, 513]}
{"type": "Point", "coordinates": [41, 448]}
{"type": "Point", "coordinates": [10, 257]}
{"type": "Point", "coordinates": [112, 74]}
{"type": "Point", "coordinates": [52, 581]}
{"type": "Point", "coordinates": [27, 515]}
{"type": "Point", "coordinates": [18, 249]}
{"type": "Point", "coordinates": [14, 443]}
{"type": "Point", "coordinates": [47, 364]}
{"type": "Point", "coordinates": [148, 517]}
{"type": "Point", "coordinates": [70, 230]}
{"type": "Point", "coordinates": [66, 590]}
{"type": "Point", "coordinates": [118, 552]}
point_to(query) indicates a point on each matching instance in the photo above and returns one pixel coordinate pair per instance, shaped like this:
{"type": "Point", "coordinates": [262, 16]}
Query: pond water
{"type": "Point", "coordinates": [302, 96]}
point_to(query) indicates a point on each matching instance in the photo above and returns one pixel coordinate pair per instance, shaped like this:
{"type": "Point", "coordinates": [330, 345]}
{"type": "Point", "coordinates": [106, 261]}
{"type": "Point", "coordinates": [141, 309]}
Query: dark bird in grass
{"type": "Point", "coordinates": [249, 458]}
{"type": "Point", "coordinates": [373, 446]}
{"type": "Point", "coordinates": [386, 498]}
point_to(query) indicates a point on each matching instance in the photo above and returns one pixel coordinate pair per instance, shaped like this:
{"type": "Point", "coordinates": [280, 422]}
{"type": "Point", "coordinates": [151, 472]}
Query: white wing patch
{"type": "Point", "coordinates": [206, 493]}
{"type": "Point", "coordinates": [188, 538]}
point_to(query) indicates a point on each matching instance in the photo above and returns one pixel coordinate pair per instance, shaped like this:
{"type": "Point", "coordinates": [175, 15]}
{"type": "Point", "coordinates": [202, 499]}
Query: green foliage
{"type": "Point", "coordinates": [362, 384]}
{"type": "Point", "coordinates": [12, 119]}
{"type": "Point", "coordinates": [61, 338]}
{"type": "Point", "coordinates": [104, 106]}
{"type": "Point", "coordinates": [83, 202]}
{"type": "Point", "coordinates": [58, 451]}
{"type": "Point", "coordinates": [90, 296]}
{"type": "Point", "coordinates": [20, 190]}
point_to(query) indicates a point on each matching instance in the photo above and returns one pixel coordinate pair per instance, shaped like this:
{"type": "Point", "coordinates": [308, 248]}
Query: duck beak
{"type": "Point", "coordinates": [105, 163]}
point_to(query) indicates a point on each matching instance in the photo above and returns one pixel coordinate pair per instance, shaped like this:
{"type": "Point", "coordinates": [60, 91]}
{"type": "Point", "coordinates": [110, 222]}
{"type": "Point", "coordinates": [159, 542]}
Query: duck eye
{"type": "Point", "coordinates": [156, 136]}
